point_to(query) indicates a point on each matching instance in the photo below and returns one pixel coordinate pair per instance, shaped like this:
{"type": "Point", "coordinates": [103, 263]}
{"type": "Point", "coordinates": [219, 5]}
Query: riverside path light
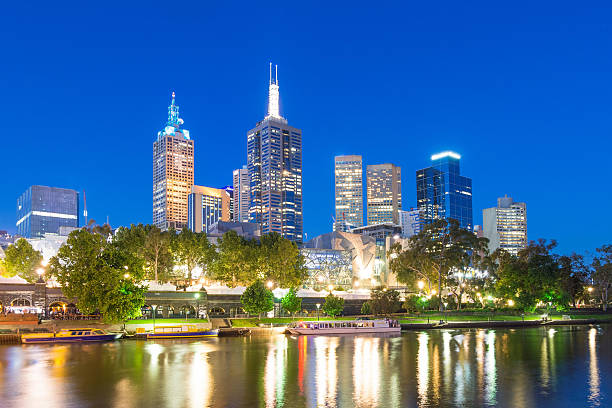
{"type": "Point", "coordinates": [270, 284]}
{"type": "Point", "coordinates": [318, 306]}
{"type": "Point", "coordinates": [420, 285]}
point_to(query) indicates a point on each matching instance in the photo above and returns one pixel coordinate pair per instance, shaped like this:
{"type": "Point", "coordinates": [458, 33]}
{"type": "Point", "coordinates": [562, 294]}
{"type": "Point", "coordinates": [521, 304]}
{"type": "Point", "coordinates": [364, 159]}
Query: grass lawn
{"type": "Point", "coordinates": [253, 322]}
{"type": "Point", "coordinates": [165, 321]}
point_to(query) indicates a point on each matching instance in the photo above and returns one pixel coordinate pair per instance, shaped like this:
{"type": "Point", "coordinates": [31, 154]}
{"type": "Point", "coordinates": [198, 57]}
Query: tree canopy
{"type": "Point", "coordinates": [192, 249]}
{"type": "Point", "coordinates": [257, 299]}
{"type": "Point", "coordinates": [602, 274]}
{"type": "Point", "coordinates": [333, 305]}
{"type": "Point", "coordinates": [21, 259]}
{"type": "Point", "coordinates": [291, 302]}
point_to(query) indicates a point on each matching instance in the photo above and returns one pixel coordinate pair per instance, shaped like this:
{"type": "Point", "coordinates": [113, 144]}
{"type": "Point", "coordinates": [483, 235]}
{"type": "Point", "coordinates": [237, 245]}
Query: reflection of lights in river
{"type": "Point", "coordinates": [366, 370]}
{"type": "Point", "coordinates": [422, 368]}
{"type": "Point", "coordinates": [490, 370]}
{"type": "Point", "coordinates": [275, 371]}
{"type": "Point", "coordinates": [326, 370]}
{"type": "Point", "coordinates": [594, 396]}
{"type": "Point", "coordinates": [200, 377]}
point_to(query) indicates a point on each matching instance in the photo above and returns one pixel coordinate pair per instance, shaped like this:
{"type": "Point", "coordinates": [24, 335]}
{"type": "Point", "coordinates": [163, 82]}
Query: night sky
{"type": "Point", "coordinates": [521, 91]}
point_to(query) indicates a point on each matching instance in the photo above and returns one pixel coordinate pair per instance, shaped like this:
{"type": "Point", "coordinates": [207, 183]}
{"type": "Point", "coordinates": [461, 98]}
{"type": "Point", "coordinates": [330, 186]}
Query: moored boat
{"type": "Point", "coordinates": [188, 331]}
{"type": "Point", "coordinates": [71, 336]}
{"type": "Point", "coordinates": [345, 327]}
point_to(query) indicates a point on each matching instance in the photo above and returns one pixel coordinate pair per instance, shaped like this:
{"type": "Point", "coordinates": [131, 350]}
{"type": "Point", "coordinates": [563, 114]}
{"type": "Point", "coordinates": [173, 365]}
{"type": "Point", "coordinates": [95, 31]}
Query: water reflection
{"type": "Point", "coordinates": [437, 368]}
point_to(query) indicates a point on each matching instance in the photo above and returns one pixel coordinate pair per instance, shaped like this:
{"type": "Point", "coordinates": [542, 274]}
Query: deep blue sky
{"type": "Point", "coordinates": [522, 91]}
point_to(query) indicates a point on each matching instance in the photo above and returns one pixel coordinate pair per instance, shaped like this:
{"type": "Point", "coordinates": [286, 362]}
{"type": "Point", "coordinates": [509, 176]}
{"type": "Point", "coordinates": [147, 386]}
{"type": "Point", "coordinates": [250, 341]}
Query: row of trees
{"type": "Point", "coordinates": [445, 257]}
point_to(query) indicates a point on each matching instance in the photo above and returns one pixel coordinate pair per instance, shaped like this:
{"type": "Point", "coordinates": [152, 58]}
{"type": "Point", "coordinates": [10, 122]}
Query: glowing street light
{"type": "Point", "coordinates": [40, 271]}
{"type": "Point", "coordinates": [330, 287]}
{"type": "Point", "coordinates": [510, 302]}
{"type": "Point", "coordinates": [126, 275]}
{"type": "Point", "coordinates": [421, 285]}
{"type": "Point", "coordinates": [590, 289]}
{"type": "Point", "coordinates": [270, 284]}
{"type": "Point", "coordinates": [318, 307]}
{"type": "Point", "coordinates": [433, 291]}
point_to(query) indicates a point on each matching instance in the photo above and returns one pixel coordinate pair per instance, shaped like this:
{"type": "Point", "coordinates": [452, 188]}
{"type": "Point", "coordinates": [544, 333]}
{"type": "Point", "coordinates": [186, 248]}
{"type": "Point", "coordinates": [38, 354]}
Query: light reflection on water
{"type": "Point", "coordinates": [518, 368]}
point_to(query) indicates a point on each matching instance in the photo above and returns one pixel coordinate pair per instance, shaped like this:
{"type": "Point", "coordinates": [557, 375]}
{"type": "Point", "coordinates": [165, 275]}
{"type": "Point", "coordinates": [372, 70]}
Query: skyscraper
{"type": "Point", "coordinates": [384, 193]}
{"type": "Point", "coordinates": [348, 173]}
{"type": "Point", "coordinates": [172, 172]}
{"type": "Point", "coordinates": [42, 209]}
{"type": "Point", "coordinates": [506, 225]}
{"type": "Point", "coordinates": [410, 221]}
{"type": "Point", "coordinates": [206, 207]}
{"type": "Point", "coordinates": [241, 194]}
{"type": "Point", "coordinates": [274, 163]}
{"type": "Point", "coordinates": [443, 193]}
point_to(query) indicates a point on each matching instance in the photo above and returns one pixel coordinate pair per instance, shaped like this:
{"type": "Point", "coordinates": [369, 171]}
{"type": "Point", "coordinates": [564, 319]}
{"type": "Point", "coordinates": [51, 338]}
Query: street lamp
{"type": "Point", "coordinates": [270, 284]}
{"type": "Point", "coordinates": [197, 297]}
{"type": "Point", "coordinates": [330, 287]}
{"type": "Point", "coordinates": [318, 306]}
{"type": "Point", "coordinates": [421, 285]}
{"type": "Point", "coordinates": [445, 315]}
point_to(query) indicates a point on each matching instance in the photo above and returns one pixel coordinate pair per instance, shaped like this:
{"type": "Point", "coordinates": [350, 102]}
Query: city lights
{"type": "Point", "coordinates": [420, 285]}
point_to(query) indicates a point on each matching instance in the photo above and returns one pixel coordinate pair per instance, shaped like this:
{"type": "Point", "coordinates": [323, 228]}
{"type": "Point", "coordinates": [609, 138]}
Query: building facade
{"type": "Point", "coordinates": [410, 222]}
{"type": "Point", "coordinates": [173, 168]}
{"type": "Point", "coordinates": [241, 194]}
{"type": "Point", "coordinates": [443, 193]}
{"type": "Point", "coordinates": [348, 175]}
{"type": "Point", "coordinates": [274, 163]}
{"type": "Point", "coordinates": [384, 193]}
{"type": "Point", "coordinates": [207, 206]}
{"type": "Point", "coordinates": [506, 225]}
{"type": "Point", "coordinates": [42, 210]}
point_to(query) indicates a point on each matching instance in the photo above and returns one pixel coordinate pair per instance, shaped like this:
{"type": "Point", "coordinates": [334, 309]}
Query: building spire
{"type": "Point", "coordinates": [273, 94]}
{"type": "Point", "coordinates": [173, 113]}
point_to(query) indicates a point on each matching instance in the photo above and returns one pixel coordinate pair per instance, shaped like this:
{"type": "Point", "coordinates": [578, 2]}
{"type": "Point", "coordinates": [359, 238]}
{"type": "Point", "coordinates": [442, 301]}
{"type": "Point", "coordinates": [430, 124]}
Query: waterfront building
{"type": "Point", "coordinates": [506, 225]}
{"type": "Point", "coordinates": [410, 222]}
{"type": "Point", "coordinates": [384, 190]}
{"type": "Point", "coordinates": [384, 235]}
{"type": "Point", "coordinates": [274, 163]}
{"type": "Point", "coordinates": [207, 206]}
{"type": "Point", "coordinates": [348, 174]}
{"type": "Point", "coordinates": [241, 194]}
{"type": "Point", "coordinates": [42, 209]}
{"type": "Point", "coordinates": [443, 193]}
{"type": "Point", "coordinates": [173, 168]}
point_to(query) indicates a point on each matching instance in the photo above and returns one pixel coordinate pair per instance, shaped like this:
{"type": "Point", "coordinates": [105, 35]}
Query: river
{"type": "Point", "coordinates": [565, 366]}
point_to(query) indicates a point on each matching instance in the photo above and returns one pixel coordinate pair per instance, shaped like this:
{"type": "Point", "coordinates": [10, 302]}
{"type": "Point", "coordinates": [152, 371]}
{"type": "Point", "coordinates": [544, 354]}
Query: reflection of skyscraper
{"type": "Point", "coordinates": [172, 172]}
{"type": "Point", "coordinates": [241, 195]}
{"type": "Point", "coordinates": [506, 225]}
{"type": "Point", "coordinates": [443, 193]}
{"type": "Point", "coordinates": [274, 162]}
{"type": "Point", "coordinates": [348, 172]}
{"type": "Point", "coordinates": [384, 193]}
{"type": "Point", "coordinates": [42, 209]}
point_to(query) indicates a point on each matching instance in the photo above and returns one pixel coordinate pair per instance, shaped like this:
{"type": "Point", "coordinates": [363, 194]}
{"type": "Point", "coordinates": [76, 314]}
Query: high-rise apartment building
{"type": "Point", "coordinates": [506, 225]}
{"type": "Point", "coordinates": [241, 194]}
{"type": "Point", "coordinates": [384, 193]}
{"type": "Point", "coordinates": [443, 193]}
{"type": "Point", "coordinates": [42, 210]}
{"type": "Point", "coordinates": [348, 174]}
{"type": "Point", "coordinates": [206, 207]}
{"type": "Point", "coordinates": [274, 163]}
{"type": "Point", "coordinates": [173, 166]}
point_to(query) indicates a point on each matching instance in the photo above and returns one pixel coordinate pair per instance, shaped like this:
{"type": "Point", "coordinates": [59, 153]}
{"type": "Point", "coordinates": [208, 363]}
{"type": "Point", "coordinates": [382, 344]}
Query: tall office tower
{"type": "Point", "coordinates": [274, 163]}
{"type": "Point", "coordinates": [241, 194]}
{"type": "Point", "coordinates": [443, 193]}
{"type": "Point", "coordinates": [206, 207]}
{"type": "Point", "coordinates": [384, 193]}
{"type": "Point", "coordinates": [42, 209]}
{"type": "Point", "coordinates": [230, 192]}
{"type": "Point", "coordinates": [172, 172]}
{"type": "Point", "coordinates": [348, 173]}
{"type": "Point", "coordinates": [506, 225]}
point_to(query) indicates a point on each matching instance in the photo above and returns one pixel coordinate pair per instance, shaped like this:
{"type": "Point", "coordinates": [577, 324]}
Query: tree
{"type": "Point", "coordinates": [384, 302]}
{"type": "Point", "coordinates": [157, 254]}
{"type": "Point", "coordinates": [236, 261]}
{"type": "Point", "coordinates": [291, 302]}
{"type": "Point", "coordinates": [573, 276]}
{"type": "Point", "coordinates": [100, 275]}
{"type": "Point", "coordinates": [23, 260]}
{"type": "Point", "coordinates": [601, 274]}
{"type": "Point", "coordinates": [333, 305]}
{"type": "Point", "coordinates": [366, 309]}
{"type": "Point", "coordinates": [192, 250]}
{"type": "Point", "coordinates": [280, 261]}
{"type": "Point", "coordinates": [257, 299]}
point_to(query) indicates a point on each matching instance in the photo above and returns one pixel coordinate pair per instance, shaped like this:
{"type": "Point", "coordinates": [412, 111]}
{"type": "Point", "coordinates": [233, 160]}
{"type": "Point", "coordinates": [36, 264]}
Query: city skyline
{"type": "Point", "coordinates": [492, 91]}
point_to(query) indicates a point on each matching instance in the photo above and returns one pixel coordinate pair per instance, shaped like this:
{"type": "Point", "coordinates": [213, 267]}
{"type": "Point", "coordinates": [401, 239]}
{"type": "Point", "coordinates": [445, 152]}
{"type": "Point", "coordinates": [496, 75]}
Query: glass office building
{"type": "Point", "coordinates": [443, 193]}
{"type": "Point", "coordinates": [348, 171]}
{"type": "Point", "coordinates": [42, 210]}
{"type": "Point", "coordinates": [506, 225]}
{"type": "Point", "coordinates": [207, 206]}
{"type": "Point", "coordinates": [274, 163]}
{"type": "Point", "coordinates": [384, 193]}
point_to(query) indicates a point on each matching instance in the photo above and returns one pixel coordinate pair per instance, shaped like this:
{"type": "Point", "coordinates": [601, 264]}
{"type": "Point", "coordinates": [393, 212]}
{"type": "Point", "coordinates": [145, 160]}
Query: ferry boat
{"type": "Point", "coordinates": [345, 327]}
{"type": "Point", "coordinates": [71, 336]}
{"type": "Point", "coordinates": [186, 331]}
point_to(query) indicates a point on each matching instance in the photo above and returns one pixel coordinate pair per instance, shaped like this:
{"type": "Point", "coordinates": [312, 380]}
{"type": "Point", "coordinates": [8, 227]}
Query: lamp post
{"type": "Point", "coordinates": [318, 306]}
{"type": "Point", "coordinates": [445, 315]}
{"type": "Point", "coordinates": [197, 297]}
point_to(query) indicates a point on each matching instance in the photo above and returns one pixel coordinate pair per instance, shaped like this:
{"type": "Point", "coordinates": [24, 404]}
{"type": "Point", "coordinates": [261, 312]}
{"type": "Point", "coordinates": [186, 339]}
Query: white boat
{"type": "Point", "coordinates": [345, 327]}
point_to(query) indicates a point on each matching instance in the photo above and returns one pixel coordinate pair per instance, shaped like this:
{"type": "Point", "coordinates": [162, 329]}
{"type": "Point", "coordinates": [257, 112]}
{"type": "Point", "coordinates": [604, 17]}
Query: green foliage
{"type": "Point", "coordinates": [333, 305]}
{"type": "Point", "coordinates": [411, 304]}
{"type": "Point", "coordinates": [291, 302]}
{"type": "Point", "coordinates": [21, 259]}
{"type": "Point", "coordinates": [366, 309]}
{"type": "Point", "coordinates": [280, 261]}
{"type": "Point", "coordinates": [257, 299]}
{"type": "Point", "coordinates": [236, 261]}
{"type": "Point", "coordinates": [602, 274]}
{"type": "Point", "coordinates": [192, 249]}
{"type": "Point", "coordinates": [102, 276]}
{"type": "Point", "coordinates": [384, 302]}
{"type": "Point", "coordinates": [573, 276]}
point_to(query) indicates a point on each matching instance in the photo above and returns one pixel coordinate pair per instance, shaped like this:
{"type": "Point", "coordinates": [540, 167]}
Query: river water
{"type": "Point", "coordinates": [566, 366]}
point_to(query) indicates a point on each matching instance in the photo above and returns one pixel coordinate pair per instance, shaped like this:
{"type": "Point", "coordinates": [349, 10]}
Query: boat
{"type": "Point", "coordinates": [345, 327]}
{"type": "Point", "coordinates": [185, 331]}
{"type": "Point", "coordinates": [87, 334]}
